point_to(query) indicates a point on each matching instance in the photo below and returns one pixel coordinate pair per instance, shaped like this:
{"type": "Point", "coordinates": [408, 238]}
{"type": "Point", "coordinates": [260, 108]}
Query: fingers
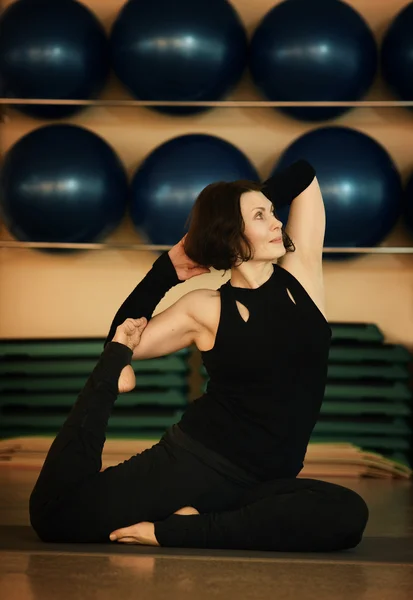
{"type": "Point", "coordinates": [131, 324]}
{"type": "Point", "coordinates": [137, 322]}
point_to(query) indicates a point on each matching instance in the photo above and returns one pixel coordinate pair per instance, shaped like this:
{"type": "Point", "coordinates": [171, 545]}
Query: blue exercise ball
{"type": "Point", "coordinates": [307, 51]}
{"type": "Point", "coordinates": [52, 49]}
{"type": "Point", "coordinates": [408, 205]}
{"type": "Point", "coordinates": [397, 54]}
{"type": "Point", "coordinates": [181, 50]}
{"type": "Point", "coordinates": [166, 185]}
{"type": "Point", "coordinates": [359, 181]}
{"type": "Point", "coordinates": [62, 183]}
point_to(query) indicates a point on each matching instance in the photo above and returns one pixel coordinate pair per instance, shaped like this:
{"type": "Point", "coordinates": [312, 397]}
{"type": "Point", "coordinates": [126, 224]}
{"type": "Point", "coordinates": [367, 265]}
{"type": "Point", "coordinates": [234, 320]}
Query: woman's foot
{"type": "Point", "coordinates": [129, 334]}
{"type": "Point", "coordinates": [187, 510]}
{"type": "Point", "coordinates": [144, 533]}
{"type": "Point", "coordinates": [127, 380]}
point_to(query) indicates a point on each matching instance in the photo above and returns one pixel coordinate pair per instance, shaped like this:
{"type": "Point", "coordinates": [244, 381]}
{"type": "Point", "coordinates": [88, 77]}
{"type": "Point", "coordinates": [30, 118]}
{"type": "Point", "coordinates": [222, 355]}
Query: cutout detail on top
{"type": "Point", "coordinates": [243, 311]}
{"type": "Point", "coordinates": [291, 296]}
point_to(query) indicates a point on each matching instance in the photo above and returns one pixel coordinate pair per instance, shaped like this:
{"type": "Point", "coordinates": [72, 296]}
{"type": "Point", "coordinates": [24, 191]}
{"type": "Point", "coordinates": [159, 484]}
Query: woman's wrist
{"type": "Point", "coordinates": [289, 183]}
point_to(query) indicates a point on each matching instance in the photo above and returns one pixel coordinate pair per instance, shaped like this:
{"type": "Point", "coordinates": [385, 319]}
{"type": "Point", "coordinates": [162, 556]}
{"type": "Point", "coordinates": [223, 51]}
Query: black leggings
{"type": "Point", "coordinates": [74, 501]}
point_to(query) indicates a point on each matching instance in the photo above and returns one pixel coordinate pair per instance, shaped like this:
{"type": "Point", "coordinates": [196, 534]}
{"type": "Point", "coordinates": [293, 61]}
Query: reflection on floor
{"type": "Point", "coordinates": [76, 574]}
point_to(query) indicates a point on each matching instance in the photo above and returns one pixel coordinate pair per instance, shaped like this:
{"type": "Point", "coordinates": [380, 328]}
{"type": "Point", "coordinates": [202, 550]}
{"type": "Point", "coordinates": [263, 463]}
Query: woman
{"type": "Point", "coordinates": [225, 476]}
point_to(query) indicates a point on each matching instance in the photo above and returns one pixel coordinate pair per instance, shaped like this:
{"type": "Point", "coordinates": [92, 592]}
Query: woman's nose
{"type": "Point", "coordinates": [277, 224]}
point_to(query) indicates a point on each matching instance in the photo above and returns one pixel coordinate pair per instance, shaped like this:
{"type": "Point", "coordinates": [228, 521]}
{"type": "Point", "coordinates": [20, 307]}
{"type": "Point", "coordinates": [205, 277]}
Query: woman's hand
{"type": "Point", "coordinates": [185, 267]}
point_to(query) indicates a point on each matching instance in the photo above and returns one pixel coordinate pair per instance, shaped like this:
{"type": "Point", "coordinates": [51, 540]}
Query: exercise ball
{"type": "Point", "coordinates": [62, 183]}
{"type": "Point", "coordinates": [408, 205]}
{"type": "Point", "coordinates": [306, 51]}
{"type": "Point", "coordinates": [360, 184]}
{"type": "Point", "coordinates": [52, 49]}
{"type": "Point", "coordinates": [183, 50]}
{"type": "Point", "coordinates": [397, 54]}
{"type": "Point", "coordinates": [167, 183]}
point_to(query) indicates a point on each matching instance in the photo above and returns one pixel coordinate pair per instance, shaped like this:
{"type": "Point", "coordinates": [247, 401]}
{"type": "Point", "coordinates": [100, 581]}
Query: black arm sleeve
{"type": "Point", "coordinates": [286, 185]}
{"type": "Point", "coordinates": [147, 294]}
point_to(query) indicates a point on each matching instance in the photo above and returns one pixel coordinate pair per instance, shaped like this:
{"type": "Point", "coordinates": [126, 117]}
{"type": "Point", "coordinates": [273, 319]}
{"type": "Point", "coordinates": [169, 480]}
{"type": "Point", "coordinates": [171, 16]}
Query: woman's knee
{"type": "Point", "coordinates": [42, 526]}
{"type": "Point", "coordinates": [340, 514]}
{"type": "Point", "coordinates": [36, 514]}
{"type": "Point", "coordinates": [356, 506]}
{"type": "Point", "coordinates": [44, 518]}
{"type": "Point", "coordinates": [360, 511]}
{"type": "Point", "coordinates": [42, 523]}
{"type": "Point", "coordinates": [352, 518]}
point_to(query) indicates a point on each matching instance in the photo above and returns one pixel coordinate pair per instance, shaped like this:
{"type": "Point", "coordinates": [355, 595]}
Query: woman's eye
{"type": "Point", "coordinates": [259, 214]}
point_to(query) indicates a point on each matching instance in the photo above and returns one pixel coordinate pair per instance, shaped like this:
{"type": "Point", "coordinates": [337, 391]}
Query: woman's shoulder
{"type": "Point", "coordinates": [203, 305]}
{"type": "Point", "coordinates": [202, 294]}
{"type": "Point", "coordinates": [202, 297]}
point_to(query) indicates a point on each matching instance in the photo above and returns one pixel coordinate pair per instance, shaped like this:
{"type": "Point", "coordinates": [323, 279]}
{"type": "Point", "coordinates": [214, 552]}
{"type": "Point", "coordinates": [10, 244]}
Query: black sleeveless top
{"type": "Point", "coordinates": [267, 378]}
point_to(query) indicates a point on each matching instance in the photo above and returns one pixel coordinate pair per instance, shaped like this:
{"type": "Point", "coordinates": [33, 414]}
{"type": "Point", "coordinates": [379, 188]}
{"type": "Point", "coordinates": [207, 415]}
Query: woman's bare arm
{"type": "Point", "coordinates": [171, 330]}
{"type": "Point", "coordinates": [168, 270]}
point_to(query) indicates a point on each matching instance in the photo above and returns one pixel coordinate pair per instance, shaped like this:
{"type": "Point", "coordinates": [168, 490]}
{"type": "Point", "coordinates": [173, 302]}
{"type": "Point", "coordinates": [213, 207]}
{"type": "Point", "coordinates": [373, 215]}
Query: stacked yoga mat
{"type": "Point", "coordinates": [365, 426]}
{"type": "Point", "coordinates": [40, 379]}
{"type": "Point", "coordinates": [368, 398]}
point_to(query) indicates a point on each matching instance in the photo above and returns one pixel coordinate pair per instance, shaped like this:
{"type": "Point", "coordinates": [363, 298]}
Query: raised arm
{"type": "Point", "coordinates": [298, 186]}
{"type": "Point", "coordinates": [168, 270]}
{"type": "Point", "coordinates": [147, 294]}
{"type": "Point", "coordinates": [289, 183]}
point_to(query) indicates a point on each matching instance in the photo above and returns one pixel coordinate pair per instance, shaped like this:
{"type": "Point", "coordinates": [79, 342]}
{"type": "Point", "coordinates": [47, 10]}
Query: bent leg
{"type": "Point", "coordinates": [286, 515]}
{"type": "Point", "coordinates": [147, 487]}
{"type": "Point", "coordinates": [74, 501]}
{"type": "Point", "coordinates": [76, 453]}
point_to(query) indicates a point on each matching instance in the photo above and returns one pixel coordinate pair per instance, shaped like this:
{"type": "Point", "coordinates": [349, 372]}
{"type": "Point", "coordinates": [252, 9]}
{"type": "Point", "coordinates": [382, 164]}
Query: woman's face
{"type": "Point", "coordinates": [262, 227]}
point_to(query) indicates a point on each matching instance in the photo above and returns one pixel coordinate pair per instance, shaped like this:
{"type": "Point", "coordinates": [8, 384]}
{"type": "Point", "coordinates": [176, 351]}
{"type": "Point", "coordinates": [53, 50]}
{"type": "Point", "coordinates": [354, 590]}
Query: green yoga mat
{"type": "Point", "coordinates": [49, 367]}
{"type": "Point", "coordinates": [76, 383]}
{"type": "Point", "coordinates": [52, 348]}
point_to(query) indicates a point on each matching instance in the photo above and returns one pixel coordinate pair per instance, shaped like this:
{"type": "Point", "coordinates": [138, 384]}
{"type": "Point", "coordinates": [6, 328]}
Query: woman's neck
{"type": "Point", "coordinates": [251, 275]}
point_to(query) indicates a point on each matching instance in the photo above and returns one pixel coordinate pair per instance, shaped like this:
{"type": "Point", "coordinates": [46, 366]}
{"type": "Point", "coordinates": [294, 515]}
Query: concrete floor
{"type": "Point", "coordinates": [73, 573]}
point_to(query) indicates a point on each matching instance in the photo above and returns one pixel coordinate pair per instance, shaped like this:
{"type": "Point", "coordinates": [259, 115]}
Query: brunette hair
{"type": "Point", "coordinates": [216, 235]}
